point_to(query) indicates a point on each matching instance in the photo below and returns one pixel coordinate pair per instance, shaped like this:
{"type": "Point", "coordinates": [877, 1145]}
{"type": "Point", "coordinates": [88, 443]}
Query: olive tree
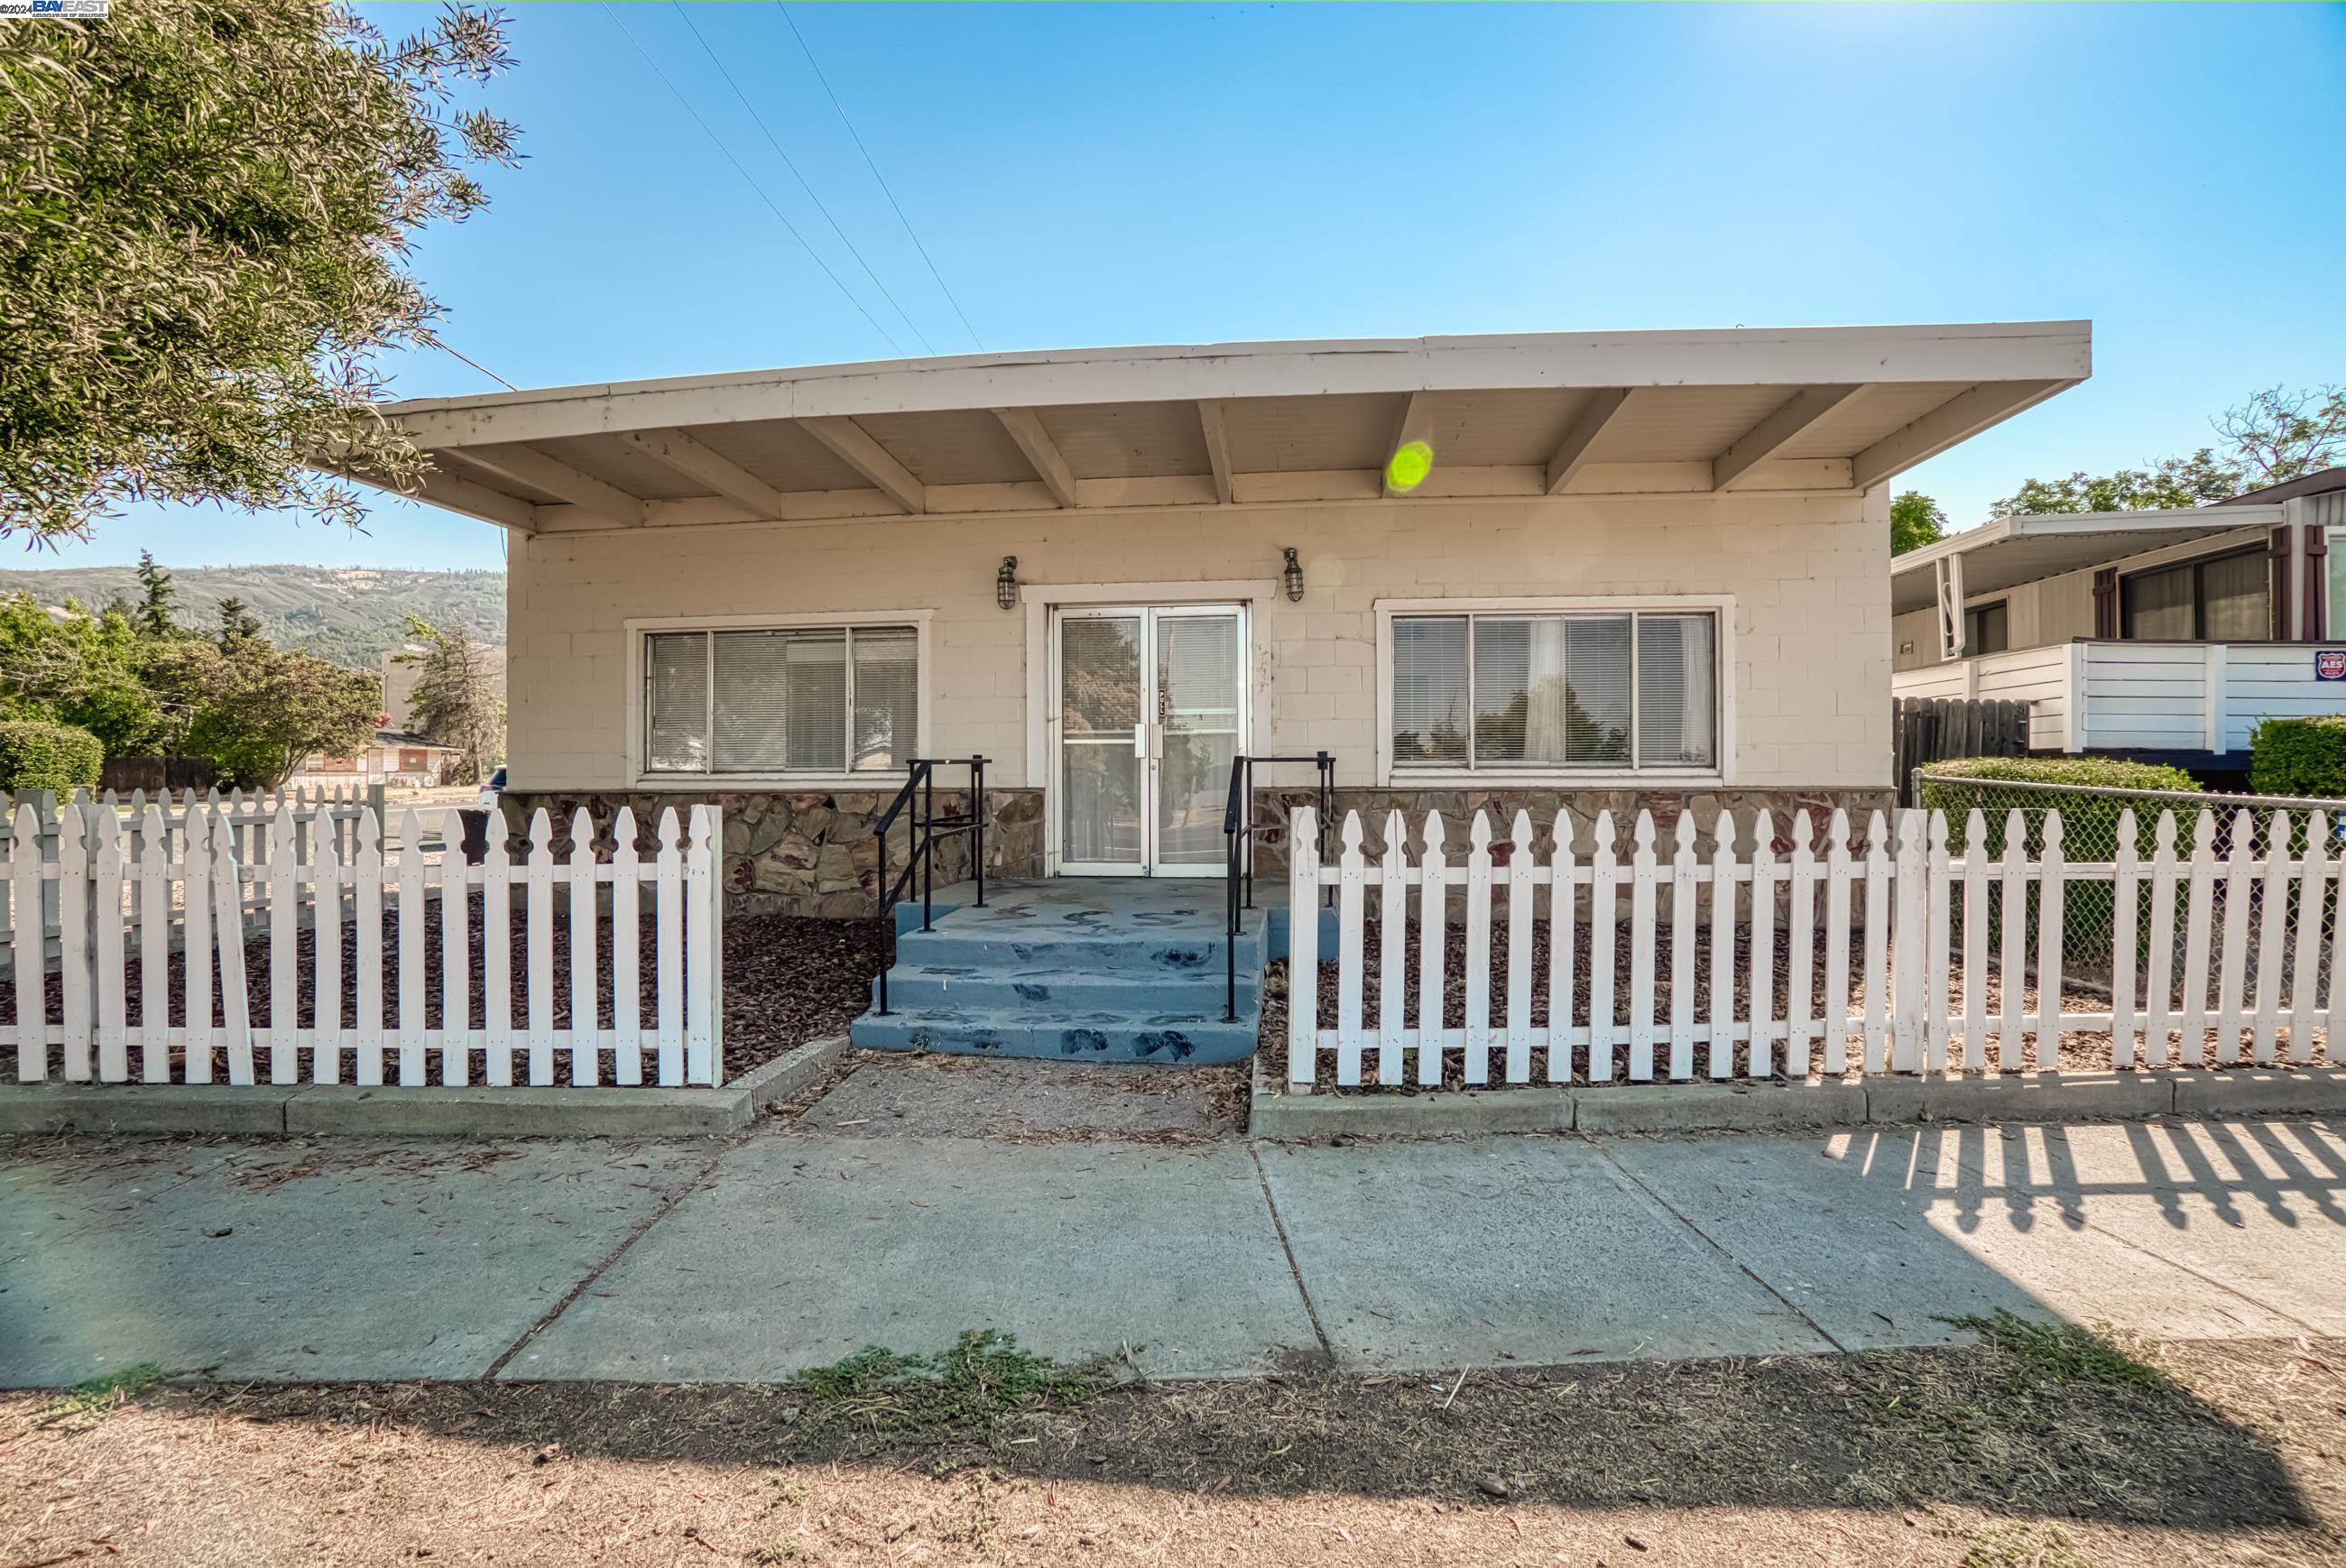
{"type": "Point", "coordinates": [205, 221]}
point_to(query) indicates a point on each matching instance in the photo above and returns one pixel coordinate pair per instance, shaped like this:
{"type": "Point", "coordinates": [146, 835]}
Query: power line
{"type": "Point", "coordinates": [433, 339]}
{"type": "Point", "coordinates": [874, 167]}
{"type": "Point", "coordinates": [794, 167]}
{"type": "Point", "coordinates": [744, 174]}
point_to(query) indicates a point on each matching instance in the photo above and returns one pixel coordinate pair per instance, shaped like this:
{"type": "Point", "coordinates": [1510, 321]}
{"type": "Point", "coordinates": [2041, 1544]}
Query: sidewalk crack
{"type": "Point", "coordinates": [1294, 1270]}
{"type": "Point", "coordinates": [642, 1229]}
{"type": "Point", "coordinates": [1672, 1210]}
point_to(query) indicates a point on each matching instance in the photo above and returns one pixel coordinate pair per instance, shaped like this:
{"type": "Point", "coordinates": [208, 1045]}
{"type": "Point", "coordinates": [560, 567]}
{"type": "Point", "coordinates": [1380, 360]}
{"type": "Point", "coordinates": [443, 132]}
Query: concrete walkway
{"type": "Point", "coordinates": [750, 1259]}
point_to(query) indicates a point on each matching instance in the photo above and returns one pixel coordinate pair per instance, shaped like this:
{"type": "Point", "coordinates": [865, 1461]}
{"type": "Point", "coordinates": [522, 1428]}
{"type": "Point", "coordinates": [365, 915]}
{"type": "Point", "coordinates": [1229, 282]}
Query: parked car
{"type": "Point", "coordinates": [494, 787]}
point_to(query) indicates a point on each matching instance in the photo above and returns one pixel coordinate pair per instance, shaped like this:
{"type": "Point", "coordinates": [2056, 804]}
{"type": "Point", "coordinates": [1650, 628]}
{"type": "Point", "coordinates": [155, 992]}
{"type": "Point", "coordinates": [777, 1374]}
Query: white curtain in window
{"type": "Point", "coordinates": [1548, 699]}
{"type": "Point", "coordinates": [1676, 691]}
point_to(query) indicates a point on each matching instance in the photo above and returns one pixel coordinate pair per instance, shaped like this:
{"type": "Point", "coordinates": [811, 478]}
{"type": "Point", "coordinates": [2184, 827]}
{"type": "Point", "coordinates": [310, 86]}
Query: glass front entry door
{"type": "Point", "coordinates": [1151, 709]}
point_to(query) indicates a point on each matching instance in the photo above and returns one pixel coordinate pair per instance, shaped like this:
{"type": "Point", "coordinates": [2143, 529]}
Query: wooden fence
{"type": "Point", "coordinates": [133, 893]}
{"type": "Point", "coordinates": [1892, 948]}
{"type": "Point", "coordinates": [1927, 729]}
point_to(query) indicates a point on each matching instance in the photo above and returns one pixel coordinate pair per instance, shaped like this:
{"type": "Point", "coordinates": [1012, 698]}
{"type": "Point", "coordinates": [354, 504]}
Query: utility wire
{"type": "Point", "coordinates": [883, 179]}
{"type": "Point", "coordinates": [433, 339]}
{"type": "Point", "coordinates": [801, 179]}
{"type": "Point", "coordinates": [744, 174]}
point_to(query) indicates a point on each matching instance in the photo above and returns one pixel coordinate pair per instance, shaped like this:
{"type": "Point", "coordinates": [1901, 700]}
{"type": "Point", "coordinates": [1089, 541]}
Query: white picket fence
{"type": "Point", "coordinates": [1887, 917]}
{"type": "Point", "coordinates": [342, 805]}
{"type": "Point", "coordinates": [132, 893]}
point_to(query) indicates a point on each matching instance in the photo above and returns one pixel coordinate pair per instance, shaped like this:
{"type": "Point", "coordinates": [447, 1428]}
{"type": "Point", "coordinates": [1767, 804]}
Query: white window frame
{"type": "Point", "coordinates": [637, 630]}
{"type": "Point", "coordinates": [1720, 606]}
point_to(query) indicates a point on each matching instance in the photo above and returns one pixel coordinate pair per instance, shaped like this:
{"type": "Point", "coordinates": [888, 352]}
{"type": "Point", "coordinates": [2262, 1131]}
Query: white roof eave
{"type": "Point", "coordinates": [2058, 351]}
{"type": "Point", "coordinates": [2098, 538]}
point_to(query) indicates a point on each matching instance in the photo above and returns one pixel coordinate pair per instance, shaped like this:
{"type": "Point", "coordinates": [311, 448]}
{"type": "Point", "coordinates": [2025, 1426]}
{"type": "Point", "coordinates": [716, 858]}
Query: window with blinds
{"type": "Point", "coordinates": [770, 703]}
{"type": "Point", "coordinates": [1603, 690]}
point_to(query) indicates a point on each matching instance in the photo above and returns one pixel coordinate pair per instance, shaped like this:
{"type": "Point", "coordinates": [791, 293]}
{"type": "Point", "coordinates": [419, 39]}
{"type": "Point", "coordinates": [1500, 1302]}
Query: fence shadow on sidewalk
{"type": "Point", "coordinates": [2196, 1173]}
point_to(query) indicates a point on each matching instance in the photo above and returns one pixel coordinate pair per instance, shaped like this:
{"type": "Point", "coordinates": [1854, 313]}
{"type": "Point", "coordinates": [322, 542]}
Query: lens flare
{"type": "Point", "coordinates": [1408, 466]}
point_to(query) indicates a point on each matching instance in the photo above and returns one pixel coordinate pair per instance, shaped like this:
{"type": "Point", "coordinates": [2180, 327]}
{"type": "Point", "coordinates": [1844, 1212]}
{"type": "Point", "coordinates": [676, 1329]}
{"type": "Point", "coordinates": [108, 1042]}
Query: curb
{"type": "Point", "coordinates": [423, 1113]}
{"type": "Point", "coordinates": [1770, 1107]}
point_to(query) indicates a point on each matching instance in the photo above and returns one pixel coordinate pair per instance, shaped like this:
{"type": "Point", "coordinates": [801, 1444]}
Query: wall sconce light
{"type": "Point", "coordinates": [1005, 583]}
{"type": "Point", "coordinates": [1291, 577]}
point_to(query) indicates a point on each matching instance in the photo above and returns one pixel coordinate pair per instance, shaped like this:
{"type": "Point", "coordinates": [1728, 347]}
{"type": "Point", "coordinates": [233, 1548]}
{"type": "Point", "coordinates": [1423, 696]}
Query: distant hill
{"type": "Point", "coordinates": [350, 614]}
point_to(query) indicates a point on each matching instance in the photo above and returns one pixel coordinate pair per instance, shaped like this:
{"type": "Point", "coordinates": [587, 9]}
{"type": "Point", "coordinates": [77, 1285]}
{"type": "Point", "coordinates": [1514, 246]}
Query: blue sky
{"type": "Point", "coordinates": [1104, 174]}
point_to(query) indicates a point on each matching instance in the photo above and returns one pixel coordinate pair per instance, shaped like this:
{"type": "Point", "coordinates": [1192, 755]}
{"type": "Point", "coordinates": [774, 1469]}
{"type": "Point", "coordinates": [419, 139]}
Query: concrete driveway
{"type": "Point", "coordinates": [748, 1259]}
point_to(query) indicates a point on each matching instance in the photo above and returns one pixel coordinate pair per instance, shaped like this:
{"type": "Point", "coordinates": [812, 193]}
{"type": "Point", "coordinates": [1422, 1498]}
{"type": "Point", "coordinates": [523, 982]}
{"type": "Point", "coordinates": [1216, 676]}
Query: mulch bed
{"type": "Point", "coordinates": [2080, 1051]}
{"type": "Point", "coordinates": [787, 981]}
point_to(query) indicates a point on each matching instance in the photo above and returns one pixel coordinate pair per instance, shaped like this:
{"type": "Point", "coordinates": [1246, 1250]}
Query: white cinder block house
{"type": "Point", "coordinates": [1645, 568]}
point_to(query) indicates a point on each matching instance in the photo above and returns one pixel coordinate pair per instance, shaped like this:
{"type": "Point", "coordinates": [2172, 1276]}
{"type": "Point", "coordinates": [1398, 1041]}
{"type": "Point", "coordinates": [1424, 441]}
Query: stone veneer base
{"type": "Point", "coordinates": [812, 852]}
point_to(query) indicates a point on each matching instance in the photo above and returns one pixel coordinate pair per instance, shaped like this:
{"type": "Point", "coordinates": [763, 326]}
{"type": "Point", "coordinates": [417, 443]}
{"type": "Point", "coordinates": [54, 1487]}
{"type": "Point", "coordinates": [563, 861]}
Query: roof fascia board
{"type": "Point", "coordinates": [2061, 524]}
{"type": "Point", "coordinates": [2056, 350]}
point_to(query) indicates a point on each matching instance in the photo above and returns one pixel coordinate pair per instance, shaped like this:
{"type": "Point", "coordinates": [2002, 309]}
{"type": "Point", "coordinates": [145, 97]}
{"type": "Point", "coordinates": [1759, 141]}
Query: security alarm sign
{"type": "Point", "coordinates": [2329, 663]}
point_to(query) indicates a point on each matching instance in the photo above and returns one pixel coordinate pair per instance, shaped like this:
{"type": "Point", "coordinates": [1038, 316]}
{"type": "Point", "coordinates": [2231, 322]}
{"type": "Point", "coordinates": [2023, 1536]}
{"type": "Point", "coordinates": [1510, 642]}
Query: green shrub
{"type": "Point", "coordinates": [2089, 823]}
{"type": "Point", "coordinates": [37, 755]}
{"type": "Point", "coordinates": [2298, 757]}
{"type": "Point", "coordinates": [2089, 827]}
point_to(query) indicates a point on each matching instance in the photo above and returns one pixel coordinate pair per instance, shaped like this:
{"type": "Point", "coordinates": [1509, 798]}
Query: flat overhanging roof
{"type": "Point", "coordinates": [1806, 410]}
{"type": "Point", "coordinates": [2011, 551]}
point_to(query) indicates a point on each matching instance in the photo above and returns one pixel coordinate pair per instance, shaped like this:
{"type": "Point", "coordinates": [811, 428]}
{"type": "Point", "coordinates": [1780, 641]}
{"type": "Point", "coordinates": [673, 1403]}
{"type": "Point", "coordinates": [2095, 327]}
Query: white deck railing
{"type": "Point", "coordinates": [2099, 694]}
{"type": "Point", "coordinates": [139, 899]}
{"type": "Point", "coordinates": [1887, 947]}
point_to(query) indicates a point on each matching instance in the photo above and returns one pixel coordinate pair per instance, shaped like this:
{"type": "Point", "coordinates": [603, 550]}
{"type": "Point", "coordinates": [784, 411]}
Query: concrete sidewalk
{"type": "Point", "coordinates": [750, 1259]}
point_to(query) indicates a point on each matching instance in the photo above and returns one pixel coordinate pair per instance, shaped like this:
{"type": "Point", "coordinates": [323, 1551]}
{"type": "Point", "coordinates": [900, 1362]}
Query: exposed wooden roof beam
{"type": "Point", "coordinates": [1218, 444]}
{"type": "Point", "coordinates": [850, 444]}
{"type": "Point", "coordinates": [1571, 453]}
{"type": "Point", "coordinates": [535, 469]}
{"type": "Point", "coordinates": [1026, 428]}
{"type": "Point", "coordinates": [1957, 420]}
{"type": "Point", "coordinates": [696, 461]}
{"type": "Point", "coordinates": [1777, 431]}
{"type": "Point", "coordinates": [473, 500]}
{"type": "Point", "coordinates": [1414, 414]}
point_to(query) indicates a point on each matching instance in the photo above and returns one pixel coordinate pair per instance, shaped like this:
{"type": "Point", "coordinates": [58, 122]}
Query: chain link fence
{"type": "Point", "coordinates": [2090, 817]}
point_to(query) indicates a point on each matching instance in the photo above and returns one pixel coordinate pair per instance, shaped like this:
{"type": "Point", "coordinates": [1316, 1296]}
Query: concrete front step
{"type": "Point", "coordinates": [1173, 1039]}
{"type": "Point", "coordinates": [989, 989]}
{"type": "Point", "coordinates": [1075, 971]}
{"type": "Point", "coordinates": [1135, 951]}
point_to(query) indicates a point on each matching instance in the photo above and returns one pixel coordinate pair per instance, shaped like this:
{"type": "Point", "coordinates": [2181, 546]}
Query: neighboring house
{"type": "Point", "coordinates": [396, 757]}
{"type": "Point", "coordinates": [1645, 569]}
{"type": "Point", "coordinates": [2163, 636]}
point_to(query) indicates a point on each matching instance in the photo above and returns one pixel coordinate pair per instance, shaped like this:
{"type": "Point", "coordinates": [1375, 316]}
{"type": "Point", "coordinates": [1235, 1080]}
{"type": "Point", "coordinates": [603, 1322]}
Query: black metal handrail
{"type": "Point", "coordinates": [921, 784]}
{"type": "Point", "coordinates": [1238, 832]}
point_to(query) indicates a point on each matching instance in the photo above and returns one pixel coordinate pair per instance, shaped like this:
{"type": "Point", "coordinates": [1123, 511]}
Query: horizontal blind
{"type": "Point", "coordinates": [887, 702]}
{"type": "Point", "coordinates": [675, 702]}
{"type": "Point", "coordinates": [1501, 687]}
{"type": "Point", "coordinates": [1428, 690]}
{"type": "Point", "coordinates": [781, 701]}
{"type": "Point", "coordinates": [1595, 720]}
